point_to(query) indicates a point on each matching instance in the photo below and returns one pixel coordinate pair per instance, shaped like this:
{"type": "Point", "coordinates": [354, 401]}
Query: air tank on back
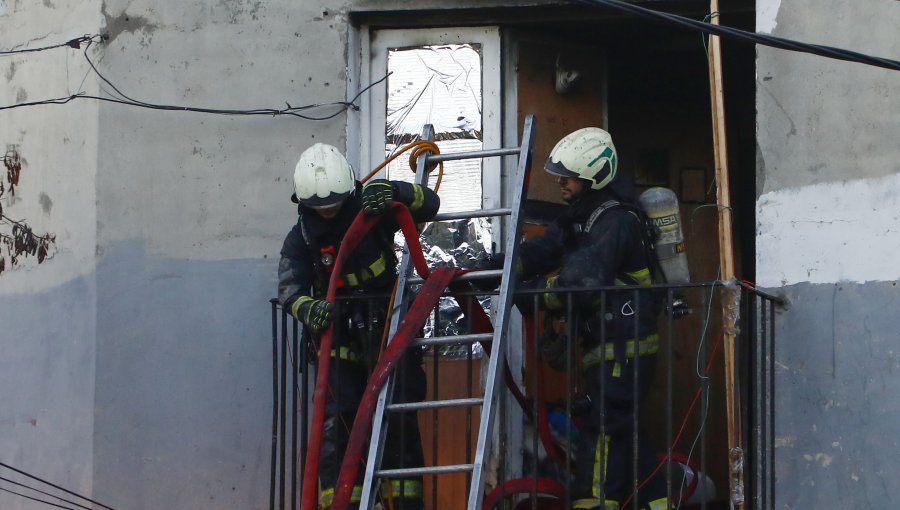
{"type": "Point", "coordinates": [661, 205]}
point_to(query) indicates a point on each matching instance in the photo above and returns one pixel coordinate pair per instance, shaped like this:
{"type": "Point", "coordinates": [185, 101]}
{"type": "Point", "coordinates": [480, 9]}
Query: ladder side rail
{"type": "Point", "coordinates": [486, 153]}
{"type": "Point", "coordinates": [507, 287]}
{"type": "Point", "coordinates": [379, 423]}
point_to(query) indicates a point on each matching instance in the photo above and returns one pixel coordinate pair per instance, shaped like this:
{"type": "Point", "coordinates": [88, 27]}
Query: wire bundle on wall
{"type": "Point", "coordinates": [672, 19]}
{"type": "Point", "coordinates": [119, 97]}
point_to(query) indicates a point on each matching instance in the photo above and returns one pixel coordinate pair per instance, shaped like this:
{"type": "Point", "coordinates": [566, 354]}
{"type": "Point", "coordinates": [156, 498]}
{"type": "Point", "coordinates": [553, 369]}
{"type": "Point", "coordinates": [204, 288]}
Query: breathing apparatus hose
{"type": "Point", "coordinates": [418, 148]}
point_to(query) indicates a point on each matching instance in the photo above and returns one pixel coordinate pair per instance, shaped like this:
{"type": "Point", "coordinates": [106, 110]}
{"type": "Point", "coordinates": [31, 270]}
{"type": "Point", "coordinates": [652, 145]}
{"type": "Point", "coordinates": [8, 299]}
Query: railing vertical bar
{"type": "Point", "coordinates": [770, 403]}
{"type": "Point", "coordinates": [704, 394]}
{"type": "Point", "coordinates": [275, 409]}
{"type": "Point", "coordinates": [601, 439]}
{"type": "Point", "coordinates": [758, 388]}
{"type": "Point", "coordinates": [304, 401]}
{"type": "Point", "coordinates": [762, 411]}
{"type": "Point", "coordinates": [670, 394]}
{"type": "Point", "coordinates": [570, 379]}
{"type": "Point", "coordinates": [635, 398]}
{"type": "Point", "coordinates": [294, 373]}
{"type": "Point", "coordinates": [435, 373]}
{"type": "Point", "coordinates": [535, 398]}
{"type": "Point", "coordinates": [470, 390]}
{"type": "Point", "coordinates": [283, 415]}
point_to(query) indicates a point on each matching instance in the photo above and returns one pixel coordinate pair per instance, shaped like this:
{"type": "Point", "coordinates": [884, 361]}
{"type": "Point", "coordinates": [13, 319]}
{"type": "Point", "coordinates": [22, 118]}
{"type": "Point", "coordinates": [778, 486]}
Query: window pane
{"type": "Point", "coordinates": [438, 85]}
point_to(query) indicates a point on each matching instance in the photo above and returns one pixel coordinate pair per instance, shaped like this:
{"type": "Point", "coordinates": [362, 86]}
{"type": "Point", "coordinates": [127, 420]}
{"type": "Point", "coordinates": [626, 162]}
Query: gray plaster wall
{"type": "Point", "coordinates": [192, 210]}
{"type": "Point", "coordinates": [836, 387]}
{"type": "Point", "coordinates": [47, 389]}
{"type": "Point", "coordinates": [48, 310]}
{"type": "Point", "coordinates": [828, 217]}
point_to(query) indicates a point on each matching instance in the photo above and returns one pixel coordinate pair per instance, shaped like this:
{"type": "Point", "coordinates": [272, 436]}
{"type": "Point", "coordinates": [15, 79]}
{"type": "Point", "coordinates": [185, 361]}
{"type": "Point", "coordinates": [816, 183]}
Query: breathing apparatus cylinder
{"type": "Point", "coordinates": [661, 205]}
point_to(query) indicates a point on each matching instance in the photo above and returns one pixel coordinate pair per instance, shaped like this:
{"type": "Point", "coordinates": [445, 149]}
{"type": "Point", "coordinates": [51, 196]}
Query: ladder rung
{"type": "Point", "coordinates": [483, 274]}
{"type": "Point", "coordinates": [436, 404]}
{"type": "Point", "coordinates": [437, 158]}
{"type": "Point", "coordinates": [453, 340]}
{"type": "Point", "coordinates": [430, 470]}
{"type": "Point", "coordinates": [480, 213]}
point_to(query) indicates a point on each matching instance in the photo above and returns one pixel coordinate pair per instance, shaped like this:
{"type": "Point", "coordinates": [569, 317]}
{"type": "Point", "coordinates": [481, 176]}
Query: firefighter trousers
{"type": "Point", "coordinates": [347, 381]}
{"type": "Point", "coordinates": [604, 461]}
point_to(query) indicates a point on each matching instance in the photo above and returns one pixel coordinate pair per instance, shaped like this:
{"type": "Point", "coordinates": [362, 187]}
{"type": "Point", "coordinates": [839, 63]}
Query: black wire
{"type": "Point", "coordinates": [121, 98]}
{"type": "Point", "coordinates": [73, 43]}
{"type": "Point", "coordinates": [290, 110]}
{"type": "Point", "coordinates": [44, 493]}
{"type": "Point", "coordinates": [36, 499]}
{"type": "Point", "coordinates": [742, 35]}
{"type": "Point", "coordinates": [67, 491]}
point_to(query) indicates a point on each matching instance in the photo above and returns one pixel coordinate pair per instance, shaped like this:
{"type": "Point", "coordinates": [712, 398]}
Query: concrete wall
{"type": "Point", "coordinates": [137, 362]}
{"type": "Point", "coordinates": [48, 310]}
{"type": "Point", "coordinates": [827, 232]}
{"type": "Point", "coordinates": [192, 209]}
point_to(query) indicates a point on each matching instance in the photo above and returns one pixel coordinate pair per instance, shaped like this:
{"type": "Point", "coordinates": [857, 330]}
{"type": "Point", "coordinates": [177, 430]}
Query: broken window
{"type": "Point", "coordinates": [438, 85]}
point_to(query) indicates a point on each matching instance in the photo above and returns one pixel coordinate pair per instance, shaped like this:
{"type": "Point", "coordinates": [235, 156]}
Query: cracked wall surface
{"type": "Point", "coordinates": [48, 308]}
{"type": "Point", "coordinates": [828, 217]}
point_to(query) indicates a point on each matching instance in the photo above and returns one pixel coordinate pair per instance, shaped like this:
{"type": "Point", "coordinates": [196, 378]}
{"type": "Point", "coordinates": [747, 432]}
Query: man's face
{"type": "Point", "coordinates": [570, 188]}
{"type": "Point", "coordinates": [329, 212]}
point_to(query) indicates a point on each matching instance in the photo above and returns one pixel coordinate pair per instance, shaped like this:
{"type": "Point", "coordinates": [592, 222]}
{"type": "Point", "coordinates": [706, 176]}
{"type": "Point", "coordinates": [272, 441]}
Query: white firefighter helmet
{"type": "Point", "coordinates": [323, 177]}
{"type": "Point", "coordinates": [587, 154]}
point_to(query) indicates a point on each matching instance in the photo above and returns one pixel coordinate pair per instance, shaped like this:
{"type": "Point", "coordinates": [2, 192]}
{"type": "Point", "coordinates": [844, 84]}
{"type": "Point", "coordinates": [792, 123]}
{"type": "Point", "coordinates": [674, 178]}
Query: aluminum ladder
{"type": "Point", "coordinates": [489, 402]}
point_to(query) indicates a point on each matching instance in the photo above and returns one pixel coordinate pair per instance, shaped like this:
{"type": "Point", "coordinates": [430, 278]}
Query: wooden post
{"type": "Point", "coordinates": [726, 264]}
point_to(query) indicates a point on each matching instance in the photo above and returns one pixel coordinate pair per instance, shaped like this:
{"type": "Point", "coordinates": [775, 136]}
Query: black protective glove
{"type": "Point", "coordinates": [492, 261]}
{"type": "Point", "coordinates": [554, 348]}
{"type": "Point", "coordinates": [377, 197]}
{"type": "Point", "coordinates": [315, 314]}
{"type": "Point", "coordinates": [525, 302]}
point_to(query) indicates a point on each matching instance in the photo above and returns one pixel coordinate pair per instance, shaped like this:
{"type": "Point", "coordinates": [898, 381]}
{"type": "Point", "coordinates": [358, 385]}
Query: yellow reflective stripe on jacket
{"type": "Point", "coordinates": [418, 198]}
{"type": "Point", "coordinates": [659, 504]}
{"type": "Point", "coordinates": [551, 299]}
{"type": "Point", "coordinates": [402, 489]}
{"type": "Point", "coordinates": [594, 504]}
{"type": "Point", "coordinates": [346, 354]}
{"type": "Point", "coordinates": [601, 454]}
{"type": "Point", "coordinates": [295, 307]}
{"type": "Point", "coordinates": [641, 276]}
{"type": "Point", "coordinates": [327, 496]}
{"type": "Point", "coordinates": [375, 269]}
{"type": "Point", "coordinates": [606, 351]}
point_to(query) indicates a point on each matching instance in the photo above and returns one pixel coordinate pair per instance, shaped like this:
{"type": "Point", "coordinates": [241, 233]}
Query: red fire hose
{"type": "Point", "coordinates": [358, 229]}
{"type": "Point", "coordinates": [412, 322]}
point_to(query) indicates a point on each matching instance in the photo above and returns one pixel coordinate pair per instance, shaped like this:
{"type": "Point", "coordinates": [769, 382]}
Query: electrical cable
{"type": "Point", "coordinates": [7, 466]}
{"type": "Point", "coordinates": [119, 97]}
{"type": "Point", "coordinates": [64, 500]}
{"type": "Point", "coordinates": [35, 499]}
{"type": "Point", "coordinates": [72, 43]}
{"type": "Point", "coordinates": [745, 36]}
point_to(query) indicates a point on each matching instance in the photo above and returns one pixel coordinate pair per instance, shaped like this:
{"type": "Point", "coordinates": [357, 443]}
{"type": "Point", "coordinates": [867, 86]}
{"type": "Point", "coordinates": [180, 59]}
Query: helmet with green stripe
{"type": "Point", "coordinates": [587, 154]}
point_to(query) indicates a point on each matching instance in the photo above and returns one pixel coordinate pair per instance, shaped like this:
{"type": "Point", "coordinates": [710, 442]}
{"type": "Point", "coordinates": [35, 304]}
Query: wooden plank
{"type": "Point", "coordinates": [726, 264]}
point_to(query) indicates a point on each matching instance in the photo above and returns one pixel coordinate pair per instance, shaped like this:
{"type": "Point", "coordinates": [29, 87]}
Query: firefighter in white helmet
{"type": "Point", "coordinates": [329, 198]}
{"type": "Point", "coordinates": [600, 240]}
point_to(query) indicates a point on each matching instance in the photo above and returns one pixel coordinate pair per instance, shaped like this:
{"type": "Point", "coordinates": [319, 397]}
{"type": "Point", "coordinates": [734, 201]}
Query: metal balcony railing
{"type": "Point", "coordinates": [682, 416]}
